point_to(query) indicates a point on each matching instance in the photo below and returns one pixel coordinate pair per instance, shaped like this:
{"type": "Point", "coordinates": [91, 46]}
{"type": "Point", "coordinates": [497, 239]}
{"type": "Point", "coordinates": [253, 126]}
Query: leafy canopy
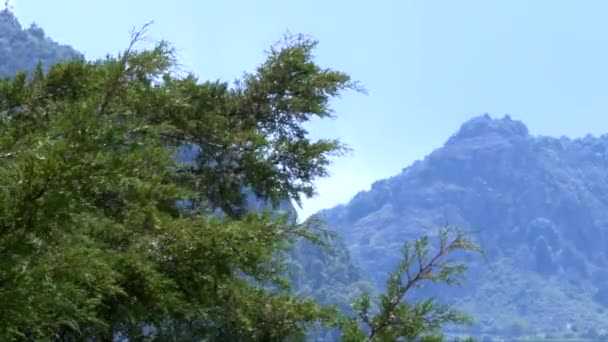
{"type": "Point", "coordinates": [103, 234]}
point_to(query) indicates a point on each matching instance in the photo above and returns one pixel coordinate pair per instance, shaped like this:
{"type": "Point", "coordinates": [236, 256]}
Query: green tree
{"type": "Point", "coordinates": [394, 317]}
{"type": "Point", "coordinates": [103, 234]}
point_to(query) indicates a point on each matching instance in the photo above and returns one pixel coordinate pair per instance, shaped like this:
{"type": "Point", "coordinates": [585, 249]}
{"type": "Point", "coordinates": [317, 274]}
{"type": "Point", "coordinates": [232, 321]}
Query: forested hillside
{"type": "Point", "coordinates": [539, 207]}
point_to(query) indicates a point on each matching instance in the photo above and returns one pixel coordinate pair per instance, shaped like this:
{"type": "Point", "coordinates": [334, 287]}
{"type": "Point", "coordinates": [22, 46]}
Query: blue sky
{"type": "Point", "coordinates": [428, 65]}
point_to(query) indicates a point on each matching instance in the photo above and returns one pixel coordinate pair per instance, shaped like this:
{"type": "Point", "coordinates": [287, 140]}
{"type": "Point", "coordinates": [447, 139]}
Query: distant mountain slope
{"type": "Point", "coordinates": [22, 49]}
{"type": "Point", "coordinates": [538, 205]}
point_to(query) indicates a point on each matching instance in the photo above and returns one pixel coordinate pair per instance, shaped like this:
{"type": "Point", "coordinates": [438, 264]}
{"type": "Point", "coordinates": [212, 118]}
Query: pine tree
{"type": "Point", "coordinates": [393, 317]}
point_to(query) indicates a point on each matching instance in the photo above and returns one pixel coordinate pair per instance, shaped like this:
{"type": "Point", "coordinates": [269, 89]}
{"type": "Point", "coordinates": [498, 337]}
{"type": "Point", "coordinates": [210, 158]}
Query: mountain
{"type": "Point", "coordinates": [23, 48]}
{"type": "Point", "coordinates": [538, 206]}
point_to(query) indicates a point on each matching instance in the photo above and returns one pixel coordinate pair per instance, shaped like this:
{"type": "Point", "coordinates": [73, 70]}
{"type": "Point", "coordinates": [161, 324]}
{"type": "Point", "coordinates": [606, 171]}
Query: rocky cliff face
{"type": "Point", "coordinates": [23, 48]}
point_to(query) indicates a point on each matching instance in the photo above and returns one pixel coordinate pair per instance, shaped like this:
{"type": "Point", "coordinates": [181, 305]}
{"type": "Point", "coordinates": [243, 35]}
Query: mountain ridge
{"type": "Point", "coordinates": [538, 205]}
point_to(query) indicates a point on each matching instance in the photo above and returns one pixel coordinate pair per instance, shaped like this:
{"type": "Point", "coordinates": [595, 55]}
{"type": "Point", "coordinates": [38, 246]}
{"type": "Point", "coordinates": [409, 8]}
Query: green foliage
{"type": "Point", "coordinates": [104, 234]}
{"type": "Point", "coordinates": [396, 318]}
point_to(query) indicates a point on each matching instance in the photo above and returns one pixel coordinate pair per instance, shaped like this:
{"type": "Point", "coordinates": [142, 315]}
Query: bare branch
{"type": "Point", "coordinates": [117, 82]}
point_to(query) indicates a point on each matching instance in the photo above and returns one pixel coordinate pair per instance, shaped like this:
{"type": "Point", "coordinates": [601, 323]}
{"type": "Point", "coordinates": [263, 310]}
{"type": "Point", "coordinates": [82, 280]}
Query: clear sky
{"type": "Point", "coordinates": [428, 65]}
